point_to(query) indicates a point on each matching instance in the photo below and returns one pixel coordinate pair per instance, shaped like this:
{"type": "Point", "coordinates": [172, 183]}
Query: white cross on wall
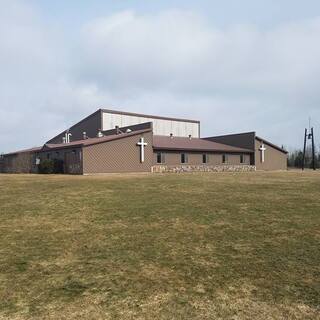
{"type": "Point", "coordinates": [142, 144]}
{"type": "Point", "coordinates": [262, 149]}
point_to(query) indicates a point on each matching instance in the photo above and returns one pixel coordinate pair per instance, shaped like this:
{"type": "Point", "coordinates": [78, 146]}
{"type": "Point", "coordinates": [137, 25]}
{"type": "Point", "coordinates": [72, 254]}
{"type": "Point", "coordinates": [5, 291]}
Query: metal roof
{"type": "Point", "coordinates": [92, 141]}
{"type": "Point", "coordinates": [34, 149]}
{"type": "Point", "coordinates": [148, 116]}
{"type": "Point", "coordinates": [192, 144]}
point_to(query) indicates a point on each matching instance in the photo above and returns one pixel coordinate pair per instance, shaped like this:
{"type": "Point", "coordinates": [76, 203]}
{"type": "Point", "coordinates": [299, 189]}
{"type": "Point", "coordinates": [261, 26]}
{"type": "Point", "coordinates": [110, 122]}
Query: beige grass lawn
{"type": "Point", "coordinates": [193, 246]}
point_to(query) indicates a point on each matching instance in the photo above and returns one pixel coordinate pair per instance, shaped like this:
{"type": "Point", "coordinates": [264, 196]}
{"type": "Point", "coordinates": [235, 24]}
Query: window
{"type": "Point", "coordinates": [160, 157]}
{"type": "Point", "coordinates": [205, 158]}
{"type": "Point", "coordinates": [242, 158]}
{"type": "Point", "coordinates": [184, 158]}
{"type": "Point", "coordinates": [224, 158]}
{"type": "Point", "coordinates": [57, 154]}
{"type": "Point", "coordinates": [48, 155]}
{"type": "Point", "coordinates": [9, 161]}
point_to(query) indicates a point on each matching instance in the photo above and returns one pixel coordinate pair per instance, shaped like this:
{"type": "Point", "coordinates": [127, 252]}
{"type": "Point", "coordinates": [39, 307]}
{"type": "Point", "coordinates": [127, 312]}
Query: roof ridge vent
{"type": "Point", "coordinates": [118, 130]}
{"type": "Point", "coordinates": [100, 134]}
{"type": "Point", "coordinates": [66, 137]}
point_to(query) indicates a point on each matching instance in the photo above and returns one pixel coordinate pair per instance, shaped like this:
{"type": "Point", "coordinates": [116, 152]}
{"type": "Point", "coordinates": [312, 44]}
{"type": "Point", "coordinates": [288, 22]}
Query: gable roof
{"type": "Point", "coordinates": [271, 145]}
{"type": "Point", "coordinates": [241, 134]}
{"type": "Point", "coordinates": [193, 144]}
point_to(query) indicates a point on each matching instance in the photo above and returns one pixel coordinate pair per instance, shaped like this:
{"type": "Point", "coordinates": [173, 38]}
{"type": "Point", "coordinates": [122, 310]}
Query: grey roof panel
{"type": "Point", "coordinates": [193, 144]}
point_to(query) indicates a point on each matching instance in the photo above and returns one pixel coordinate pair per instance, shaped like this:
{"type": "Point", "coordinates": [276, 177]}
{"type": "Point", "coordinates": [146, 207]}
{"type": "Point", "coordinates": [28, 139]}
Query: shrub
{"type": "Point", "coordinates": [50, 166]}
{"type": "Point", "coordinates": [46, 166]}
{"type": "Point", "coordinates": [57, 166]}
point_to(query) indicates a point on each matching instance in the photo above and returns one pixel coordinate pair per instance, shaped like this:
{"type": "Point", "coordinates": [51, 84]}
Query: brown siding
{"type": "Point", "coordinates": [90, 125]}
{"type": "Point", "coordinates": [274, 159]}
{"type": "Point", "coordinates": [173, 158]}
{"type": "Point", "coordinates": [73, 162]}
{"type": "Point", "coordinates": [122, 155]}
{"type": "Point", "coordinates": [17, 163]}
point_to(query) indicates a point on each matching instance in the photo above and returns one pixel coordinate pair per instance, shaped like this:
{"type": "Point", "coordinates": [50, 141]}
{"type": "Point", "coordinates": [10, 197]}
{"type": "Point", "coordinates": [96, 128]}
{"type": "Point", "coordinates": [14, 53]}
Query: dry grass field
{"type": "Point", "coordinates": [190, 246]}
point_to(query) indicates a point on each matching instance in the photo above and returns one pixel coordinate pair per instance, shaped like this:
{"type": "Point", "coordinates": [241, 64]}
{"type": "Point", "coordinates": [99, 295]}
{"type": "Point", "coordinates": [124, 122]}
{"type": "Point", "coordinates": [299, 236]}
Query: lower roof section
{"type": "Point", "coordinates": [271, 144]}
{"type": "Point", "coordinates": [193, 144]}
{"type": "Point", "coordinates": [169, 143]}
{"type": "Point", "coordinates": [243, 140]}
{"type": "Point", "coordinates": [30, 150]}
{"type": "Point", "coordinates": [93, 141]}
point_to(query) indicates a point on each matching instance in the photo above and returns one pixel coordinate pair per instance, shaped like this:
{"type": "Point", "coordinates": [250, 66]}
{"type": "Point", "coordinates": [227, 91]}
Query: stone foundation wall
{"type": "Point", "coordinates": [202, 168]}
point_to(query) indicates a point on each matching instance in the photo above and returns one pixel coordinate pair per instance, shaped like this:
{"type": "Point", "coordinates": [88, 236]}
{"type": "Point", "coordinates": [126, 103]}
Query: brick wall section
{"type": "Point", "coordinates": [274, 159]}
{"type": "Point", "coordinates": [121, 155]}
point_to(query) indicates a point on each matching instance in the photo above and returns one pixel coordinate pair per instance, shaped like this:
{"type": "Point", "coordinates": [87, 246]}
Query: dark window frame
{"type": "Point", "coordinates": [183, 158]}
{"type": "Point", "coordinates": [205, 158]}
{"type": "Point", "coordinates": [224, 158]}
{"type": "Point", "coordinates": [161, 157]}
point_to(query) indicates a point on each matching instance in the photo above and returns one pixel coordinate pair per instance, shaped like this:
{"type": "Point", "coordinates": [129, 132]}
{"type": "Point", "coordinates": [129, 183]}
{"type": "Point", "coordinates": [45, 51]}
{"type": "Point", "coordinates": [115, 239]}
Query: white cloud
{"type": "Point", "coordinates": [170, 63]}
{"type": "Point", "coordinates": [241, 78]}
{"type": "Point", "coordinates": [181, 50]}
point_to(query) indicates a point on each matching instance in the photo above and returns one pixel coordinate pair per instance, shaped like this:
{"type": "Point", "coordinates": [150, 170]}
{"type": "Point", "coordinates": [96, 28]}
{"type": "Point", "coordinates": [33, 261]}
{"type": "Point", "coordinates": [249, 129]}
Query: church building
{"type": "Point", "coordinates": [109, 141]}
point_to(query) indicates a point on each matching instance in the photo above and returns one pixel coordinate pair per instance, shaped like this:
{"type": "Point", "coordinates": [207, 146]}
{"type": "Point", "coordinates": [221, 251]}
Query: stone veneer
{"type": "Point", "coordinates": [202, 168]}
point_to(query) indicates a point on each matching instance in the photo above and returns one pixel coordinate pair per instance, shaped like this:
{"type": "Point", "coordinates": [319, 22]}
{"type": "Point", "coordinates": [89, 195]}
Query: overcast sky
{"type": "Point", "coordinates": [250, 65]}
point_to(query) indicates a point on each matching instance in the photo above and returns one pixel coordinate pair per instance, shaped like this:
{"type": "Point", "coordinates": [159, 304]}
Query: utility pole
{"type": "Point", "coordinates": [304, 148]}
{"type": "Point", "coordinates": [309, 136]}
{"type": "Point", "coordinates": [313, 151]}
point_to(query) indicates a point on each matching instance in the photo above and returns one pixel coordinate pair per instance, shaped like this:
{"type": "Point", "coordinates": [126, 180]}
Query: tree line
{"type": "Point", "coordinates": [295, 158]}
